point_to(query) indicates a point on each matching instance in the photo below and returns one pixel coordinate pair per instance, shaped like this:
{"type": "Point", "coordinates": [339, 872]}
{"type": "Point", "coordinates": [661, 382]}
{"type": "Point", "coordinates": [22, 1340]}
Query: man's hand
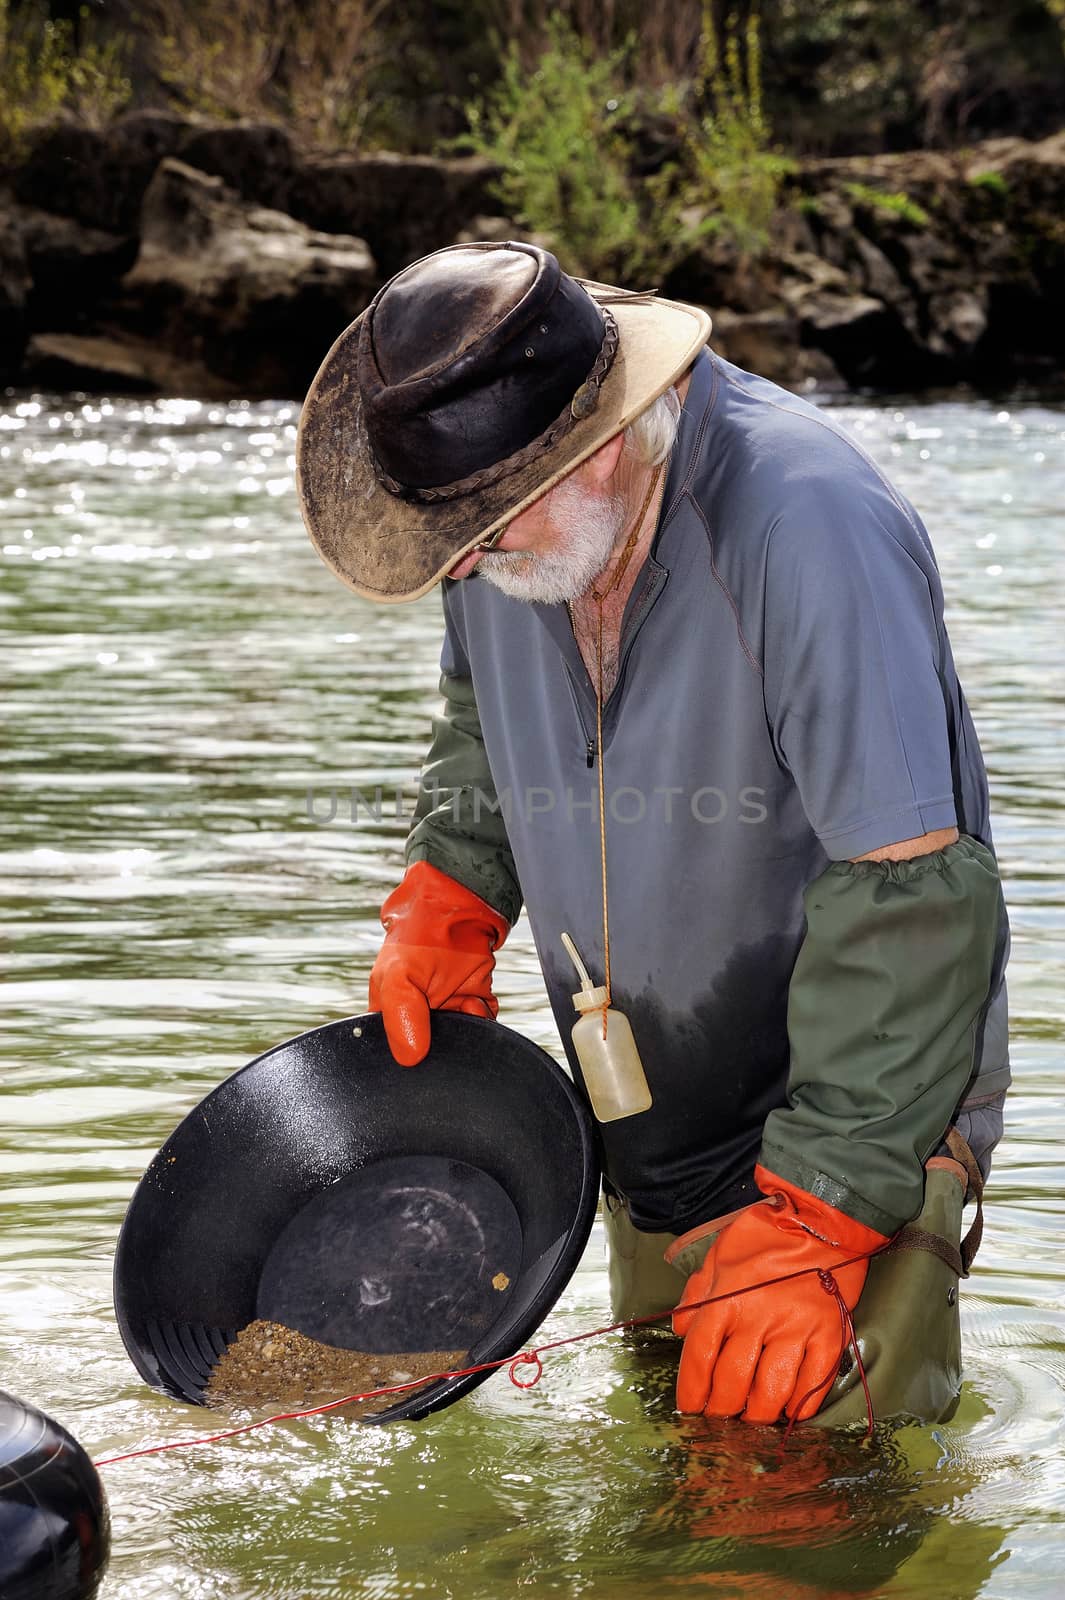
{"type": "Point", "coordinates": [777, 1348]}
{"type": "Point", "coordinates": [438, 955]}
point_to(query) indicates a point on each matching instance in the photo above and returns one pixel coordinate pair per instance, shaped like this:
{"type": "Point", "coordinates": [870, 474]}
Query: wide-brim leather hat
{"type": "Point", "coordinates": [476, 379]}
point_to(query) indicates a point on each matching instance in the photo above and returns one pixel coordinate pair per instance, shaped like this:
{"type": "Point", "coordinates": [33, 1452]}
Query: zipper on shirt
{"type": "Point", "coordinates": [589, 744]}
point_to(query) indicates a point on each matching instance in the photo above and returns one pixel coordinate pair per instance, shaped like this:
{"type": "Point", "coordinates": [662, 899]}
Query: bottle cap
{"type": "Point", "coordinates": [591, 997]}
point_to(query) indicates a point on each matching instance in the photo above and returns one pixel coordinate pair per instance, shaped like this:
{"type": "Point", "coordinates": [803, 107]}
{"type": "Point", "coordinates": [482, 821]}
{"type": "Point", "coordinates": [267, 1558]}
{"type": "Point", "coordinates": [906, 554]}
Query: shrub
{"type": "Point", "coordinates": [307, 62]}
{"type": "Point", "coordinates": [558, 135]}
{"type": "Point", "coordinates": [732, 157]}
{"type": "Point", "coordinates": [558, 127]}
{"type": "Point", "coordinates": [44, 71]}
{"type": "Point", "coordinates": [993, 182]}
{"type": "Point", "coordinates": [880, 200]}
{"type": "Point", "coordinates": [331, 50]}
{"type": "Point", "coordinates": [217, 60]}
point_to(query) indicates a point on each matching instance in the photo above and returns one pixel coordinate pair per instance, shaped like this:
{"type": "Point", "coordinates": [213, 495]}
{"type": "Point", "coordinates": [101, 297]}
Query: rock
{"type": "Point", "coordinates": [1033, 174]}
{"type": "Point", "coordinates": [861, 336]}
{"type": "Point", "coordinates": [252, 296]}
{"type": "Point", "coordinates": [790, 231]}
{"type": "Point", "coordinates": [497, 230]}
{"type": "Point", "coordinates": [493, 230]}
{"type": "Point", "coordinates": [835, 331]}
{"type": "Point", "coordinates": [64, 361]}
{"type": "Point", "coordinates": [253, 258]}
{"type": "Point", "coordinates": [831, 313]}
{"type": "Point", "coordinates": [714, 272]}
{"type": "Point", "coordinates": [817, 370]}
{"type": "Point", "coordinates": [15, 286]}
{"type": "Point", "coordinates": [958, 320]}
{"type": "Point", "coordinates": [1023, 270]}
{"type": "Point", "coordinates": [257, 159]}
{"type": "Point", "coordinates": [767, 342]}
{"type": "Point", "coordinates": [923, 256]}
{"type": "Point", "coordinates": [99, 177]}
{"type": "Point", "coordinates": [404, 206]}
{"type": "Point", "coordinates": [877, 275]}
{"type": "Point", "coordinates": [805, 275]}
{"type": "Point", "coordinates": [912, 172]}
{"type": "Point", "coordinates": [72, 267]}
{"type": "Point", "coordinates": [831, 221]}
{"type": "Point", "coordinates": [922, 260]}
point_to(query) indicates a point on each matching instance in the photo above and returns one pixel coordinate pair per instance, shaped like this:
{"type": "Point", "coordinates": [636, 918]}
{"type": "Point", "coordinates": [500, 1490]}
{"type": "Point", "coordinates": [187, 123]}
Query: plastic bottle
{"type": "Point", "coordinates": [611, 1067]}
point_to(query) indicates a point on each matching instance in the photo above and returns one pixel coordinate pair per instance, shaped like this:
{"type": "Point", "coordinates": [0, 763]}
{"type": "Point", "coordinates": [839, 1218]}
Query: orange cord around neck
{"type": "Point", "coordinates": [599, 595]}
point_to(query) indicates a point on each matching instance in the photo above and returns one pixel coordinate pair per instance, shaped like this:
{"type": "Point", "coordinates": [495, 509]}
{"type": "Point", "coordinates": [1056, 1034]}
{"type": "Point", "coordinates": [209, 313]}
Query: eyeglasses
{"type": "Point", "coordinates": [493, 538]}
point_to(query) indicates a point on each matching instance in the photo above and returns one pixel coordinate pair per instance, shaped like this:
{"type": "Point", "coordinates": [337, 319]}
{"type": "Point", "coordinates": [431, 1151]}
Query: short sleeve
{"type": "Point", "coordinates": [853, 653]}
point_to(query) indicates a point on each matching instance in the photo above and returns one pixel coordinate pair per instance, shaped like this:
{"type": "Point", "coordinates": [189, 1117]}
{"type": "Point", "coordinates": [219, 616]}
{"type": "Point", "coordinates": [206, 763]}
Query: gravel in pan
{"type": "Point", "coordinates": [269, 1363]}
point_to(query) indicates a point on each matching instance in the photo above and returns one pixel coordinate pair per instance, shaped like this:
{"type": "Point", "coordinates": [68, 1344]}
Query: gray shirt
{"type": "Point", "coordinates": [786, 696]}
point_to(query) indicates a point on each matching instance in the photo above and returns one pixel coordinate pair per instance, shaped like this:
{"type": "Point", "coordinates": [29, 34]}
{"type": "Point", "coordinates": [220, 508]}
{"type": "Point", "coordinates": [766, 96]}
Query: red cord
{"type": "Point", "coordinates": [848, 1337]}
{"type": "Point", "coordinates": [532, 1359]}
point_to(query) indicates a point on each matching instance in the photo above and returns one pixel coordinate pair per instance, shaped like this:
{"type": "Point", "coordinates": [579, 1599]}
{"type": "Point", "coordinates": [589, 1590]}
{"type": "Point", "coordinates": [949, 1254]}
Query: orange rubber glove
{"type": "Point", "coordinates": [759, 1354]}
{"type": "Point", "coordinates": [758, 1493]}
{"type": "Point", "coordinates": [437, 956]}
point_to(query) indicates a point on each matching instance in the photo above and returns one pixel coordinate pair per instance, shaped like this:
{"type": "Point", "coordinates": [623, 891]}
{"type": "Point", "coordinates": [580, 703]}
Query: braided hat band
{"type": "Point", "coordinates": [477, 379]}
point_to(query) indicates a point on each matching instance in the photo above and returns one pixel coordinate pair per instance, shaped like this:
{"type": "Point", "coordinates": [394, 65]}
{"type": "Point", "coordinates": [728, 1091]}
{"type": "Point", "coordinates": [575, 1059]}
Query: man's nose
{"type": "Point", "coordinates": [465, 564]}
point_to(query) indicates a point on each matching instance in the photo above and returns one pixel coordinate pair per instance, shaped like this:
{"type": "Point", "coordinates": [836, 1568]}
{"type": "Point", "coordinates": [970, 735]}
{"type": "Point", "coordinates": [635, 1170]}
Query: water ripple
{"type": "Point", "coordinates": [191, 700]}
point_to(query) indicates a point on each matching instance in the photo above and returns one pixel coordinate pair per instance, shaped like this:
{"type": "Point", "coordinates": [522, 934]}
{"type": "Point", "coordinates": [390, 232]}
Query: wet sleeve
{"type": "Point", "coordinates": [885, 1012]}
{"type": "Point", "coordinates": [853, 652]}
{"type": "Point", "coordinates": [459, 826]}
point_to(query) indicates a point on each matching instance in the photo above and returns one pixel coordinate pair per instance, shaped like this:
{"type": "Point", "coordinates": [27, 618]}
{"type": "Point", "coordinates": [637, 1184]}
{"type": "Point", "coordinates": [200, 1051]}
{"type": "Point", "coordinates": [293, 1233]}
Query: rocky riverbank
{"type": "Point", "coordinates": [165, 255]}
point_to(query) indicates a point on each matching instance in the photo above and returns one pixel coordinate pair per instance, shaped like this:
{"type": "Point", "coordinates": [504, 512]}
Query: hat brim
{"type": "Point", "coordinates": [390, 550]}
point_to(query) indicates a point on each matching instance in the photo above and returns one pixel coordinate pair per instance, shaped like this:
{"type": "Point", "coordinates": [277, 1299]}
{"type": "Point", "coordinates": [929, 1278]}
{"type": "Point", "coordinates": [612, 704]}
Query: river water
{"type": "Point", "coordinates": [184, 687]}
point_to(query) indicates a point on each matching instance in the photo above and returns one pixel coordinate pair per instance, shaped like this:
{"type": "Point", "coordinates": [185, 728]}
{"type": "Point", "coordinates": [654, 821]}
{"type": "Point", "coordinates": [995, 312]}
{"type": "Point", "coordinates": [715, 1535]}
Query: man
{"type": "Point", "coordinates": [660, 570]}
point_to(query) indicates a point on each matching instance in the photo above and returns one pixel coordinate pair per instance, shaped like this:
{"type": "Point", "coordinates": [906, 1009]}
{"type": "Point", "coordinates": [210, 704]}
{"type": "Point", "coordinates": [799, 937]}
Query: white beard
{"type": "Point", "coordinates": [589, 527]}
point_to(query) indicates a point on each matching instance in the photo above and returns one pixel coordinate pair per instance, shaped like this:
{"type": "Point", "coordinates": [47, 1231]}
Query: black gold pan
{"type": "Point", "coordinates": [369, 1206]}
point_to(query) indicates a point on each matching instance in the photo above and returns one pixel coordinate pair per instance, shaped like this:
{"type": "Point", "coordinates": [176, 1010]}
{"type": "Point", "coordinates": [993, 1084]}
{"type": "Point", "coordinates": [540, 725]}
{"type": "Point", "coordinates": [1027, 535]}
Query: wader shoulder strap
{"type": "Point", "coordinates": [962, 1154]}
{"type": "Point", "coordinates": [959, 1258]}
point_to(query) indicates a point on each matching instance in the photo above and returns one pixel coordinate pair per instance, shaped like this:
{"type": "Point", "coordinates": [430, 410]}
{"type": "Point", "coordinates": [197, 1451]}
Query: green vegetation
{"type": "Point", "coordinates": [558, 133]}
{"type": "Point", "coordinates": [733, 161]}
{"type": "Point", "coordinates": [862, 76]}
{"type": "Point", "coordinates": [841, 76]}
{"type": "Point", "coordinates": [307, 63]}
{"type": "Point", "coordinates": [219, 62]}
{"type": "Point", "coordinates": [44, 71]}
{"type": "Point", "coordinates": [900, 205]}
{"type": "Point", "coordinates": [993, 182]}
{"type": "Point", "coordinates": [678, 100]}
{"type": "Point", "coordinates": [563, 136]}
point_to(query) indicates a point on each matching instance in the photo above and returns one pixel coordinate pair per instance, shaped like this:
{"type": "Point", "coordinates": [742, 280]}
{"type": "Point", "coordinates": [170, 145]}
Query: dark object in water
{"type": "Point", "coordinates": [367, 1205]}
{"type": "Point", "coordinates": [55, 1530]}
